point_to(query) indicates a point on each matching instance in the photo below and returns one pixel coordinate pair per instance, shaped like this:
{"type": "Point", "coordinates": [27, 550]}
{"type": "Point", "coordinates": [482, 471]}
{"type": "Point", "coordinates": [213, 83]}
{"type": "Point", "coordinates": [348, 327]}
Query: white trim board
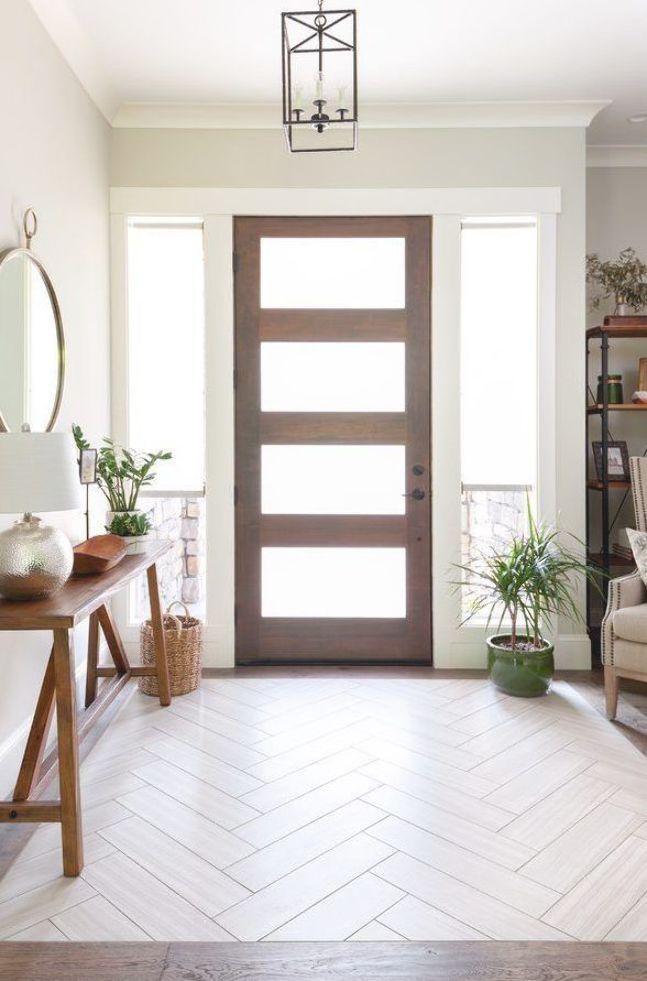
{"type": "Point", "coordinates": [373, 115]}
{"type": "Point", "coordinates": [335, 201]}
{"type": "Point", "coordinates": [217, 206]}
{"type": "Point", "coordinates": [572, 653]}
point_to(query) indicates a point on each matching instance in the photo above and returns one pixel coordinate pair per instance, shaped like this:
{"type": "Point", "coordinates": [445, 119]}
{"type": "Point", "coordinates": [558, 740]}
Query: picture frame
{"type": "Point", "coordinates": [617, 459]}
{"type": "Point", "coordinates": [88, 466]}
{"type": "Point", "coordinates": [642, 374]}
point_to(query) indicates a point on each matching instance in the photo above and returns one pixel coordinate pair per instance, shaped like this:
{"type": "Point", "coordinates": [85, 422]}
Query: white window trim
{"type": "Point", "coordinates": [217, 206]}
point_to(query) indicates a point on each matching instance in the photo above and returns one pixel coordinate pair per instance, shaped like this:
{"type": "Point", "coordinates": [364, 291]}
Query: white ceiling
{"type": "Point", "coordinates": [415, 51]}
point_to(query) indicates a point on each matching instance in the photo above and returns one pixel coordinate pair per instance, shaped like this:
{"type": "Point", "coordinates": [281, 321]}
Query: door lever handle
{"type": "Point", "coordinates": [417, 494]}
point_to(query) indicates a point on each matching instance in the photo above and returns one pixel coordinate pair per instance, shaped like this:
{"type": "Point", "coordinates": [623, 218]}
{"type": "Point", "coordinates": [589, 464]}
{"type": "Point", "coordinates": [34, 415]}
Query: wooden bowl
{"type": "Point", "coordinates": [98, 554]}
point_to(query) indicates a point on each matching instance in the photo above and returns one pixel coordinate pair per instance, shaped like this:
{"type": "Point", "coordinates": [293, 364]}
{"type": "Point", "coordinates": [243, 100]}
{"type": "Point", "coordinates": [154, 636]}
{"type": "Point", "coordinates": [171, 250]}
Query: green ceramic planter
{"type": "Point", "coordinates": [526, 675]}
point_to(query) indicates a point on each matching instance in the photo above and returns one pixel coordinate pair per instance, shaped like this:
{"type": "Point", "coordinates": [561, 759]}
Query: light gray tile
{"type": "Point", "coordinates": [155, 908]}
{"type": "Point", "coordinates": [290, 817]}
{"type": "Point", "coordinates": [343, 912]}
{"type": "Point", "coordinates": [192, 830]}
{"type": "Point", "coordinates": [462, 902]}
{"type": "Point", "coordinates": [284, 899]}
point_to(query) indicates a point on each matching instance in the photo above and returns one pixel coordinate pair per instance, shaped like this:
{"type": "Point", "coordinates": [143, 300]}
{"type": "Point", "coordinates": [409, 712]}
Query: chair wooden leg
{"type": "Point", "coordinates": [68, 754]}
{"type": "Point", "coordinates": [158, 637]}
{"type": "Point", "coordinates": [611, 690]}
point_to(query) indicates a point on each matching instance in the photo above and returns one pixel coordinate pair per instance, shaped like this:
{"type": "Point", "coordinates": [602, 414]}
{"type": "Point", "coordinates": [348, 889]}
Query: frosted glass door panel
{"type": "Point", "coordinates": [299, 479]}
{"type": "Point", "coordinates": [332, 273]}
{"type": "Point", "coordinates": [332, 377]}
{"type": "Point", "coordinates": [334, 582]}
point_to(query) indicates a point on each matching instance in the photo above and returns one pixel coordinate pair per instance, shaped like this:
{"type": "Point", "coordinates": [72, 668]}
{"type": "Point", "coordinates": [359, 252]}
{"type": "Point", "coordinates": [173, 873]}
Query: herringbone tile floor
{"type": "Point", "coordinates": [353, 806]}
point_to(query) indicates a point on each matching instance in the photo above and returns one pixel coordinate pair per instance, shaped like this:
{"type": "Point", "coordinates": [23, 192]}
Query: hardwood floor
{"type": "Point", "coordinates": [323, 962]}
{"type": "Point", "coordinates": [358, 804]}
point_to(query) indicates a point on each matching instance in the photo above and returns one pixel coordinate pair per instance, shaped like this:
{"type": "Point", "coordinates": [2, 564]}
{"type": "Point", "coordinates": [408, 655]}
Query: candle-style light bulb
{"type": "Point", "coordinates": [319, 87]}
{"type": "Point", "coordinates": [341, 98]}
{"type": "Point", "coordinates": [297, 97]}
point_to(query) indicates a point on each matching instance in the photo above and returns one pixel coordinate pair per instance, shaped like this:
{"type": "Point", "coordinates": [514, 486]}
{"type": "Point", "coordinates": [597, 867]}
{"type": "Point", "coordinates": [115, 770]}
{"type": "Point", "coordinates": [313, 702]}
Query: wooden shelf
{"type": "Point", "coordinates": [619, 406]}
{"type": "Point", "coordinates": [620, 327]}
{"type": "Point", "coordinates": [614, 560]}
{"type": "Point", "coordinates": [611, 484]}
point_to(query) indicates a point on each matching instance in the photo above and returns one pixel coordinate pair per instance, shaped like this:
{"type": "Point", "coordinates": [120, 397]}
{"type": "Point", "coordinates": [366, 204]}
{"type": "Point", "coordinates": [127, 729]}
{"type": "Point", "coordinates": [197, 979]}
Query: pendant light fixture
{"type": "Point", "coordinates": [320, 80]}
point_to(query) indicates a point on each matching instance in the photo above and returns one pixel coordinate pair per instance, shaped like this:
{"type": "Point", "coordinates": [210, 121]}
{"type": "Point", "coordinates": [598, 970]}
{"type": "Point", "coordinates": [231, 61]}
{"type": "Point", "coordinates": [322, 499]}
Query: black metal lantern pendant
{"type": "Point", "coordinates": [320, 80]}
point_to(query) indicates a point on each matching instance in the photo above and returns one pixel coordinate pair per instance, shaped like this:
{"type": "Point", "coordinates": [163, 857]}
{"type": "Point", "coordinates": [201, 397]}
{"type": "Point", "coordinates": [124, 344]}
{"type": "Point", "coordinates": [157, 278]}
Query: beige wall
{"type": "Point", "coordinates": [423, 159]}
{"type": "Point", "coordinates": [385, 158]}
{"type": "Point", "coordinates": [54, 157]}
{"type": "Point", "coordinates": [616, 212]}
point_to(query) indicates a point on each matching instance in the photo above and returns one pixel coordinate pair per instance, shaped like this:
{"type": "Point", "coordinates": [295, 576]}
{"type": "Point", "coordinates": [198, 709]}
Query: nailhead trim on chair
{"type": "Point", "coordinates": [638, 474]}
{"type": "Point", "coordinates": [607, 637]}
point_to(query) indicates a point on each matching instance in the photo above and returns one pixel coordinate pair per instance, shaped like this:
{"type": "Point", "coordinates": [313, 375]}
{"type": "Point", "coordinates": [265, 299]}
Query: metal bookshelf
{"type": "Point", "coordinates": [601, 491]}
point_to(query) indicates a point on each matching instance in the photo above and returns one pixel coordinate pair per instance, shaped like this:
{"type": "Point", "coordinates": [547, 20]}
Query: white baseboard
{"type": "Point", "coordinates": [467, 656]}
{"type": "Point", "coordinates": [573, 652]}
{"type": "Point", "coordinates": [214, 655]}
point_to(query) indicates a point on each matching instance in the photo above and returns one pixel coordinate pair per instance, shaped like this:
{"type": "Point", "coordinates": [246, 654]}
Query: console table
{"type": "Point", "coordinates": [81, 598]}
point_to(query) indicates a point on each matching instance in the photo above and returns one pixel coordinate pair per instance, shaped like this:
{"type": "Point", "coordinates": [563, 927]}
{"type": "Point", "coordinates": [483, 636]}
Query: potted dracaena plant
{"type": "Point", "coordinates": [522, 587]}
{"type": "Point", "coordinates": [121, 475]}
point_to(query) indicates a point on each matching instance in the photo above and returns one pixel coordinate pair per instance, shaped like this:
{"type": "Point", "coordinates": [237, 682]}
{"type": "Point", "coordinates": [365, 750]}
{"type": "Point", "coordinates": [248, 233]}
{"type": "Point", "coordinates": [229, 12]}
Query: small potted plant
{"type": "Point", "coordinates": [121, 475]}
{"type": "Point", "coordinates": [524, 586]}
{"type": "Point", "coordinates": [624, 279]}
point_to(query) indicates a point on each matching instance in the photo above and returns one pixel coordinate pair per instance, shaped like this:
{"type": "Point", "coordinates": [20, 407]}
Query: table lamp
{"type": "Point", "coordinates": [38, 472]}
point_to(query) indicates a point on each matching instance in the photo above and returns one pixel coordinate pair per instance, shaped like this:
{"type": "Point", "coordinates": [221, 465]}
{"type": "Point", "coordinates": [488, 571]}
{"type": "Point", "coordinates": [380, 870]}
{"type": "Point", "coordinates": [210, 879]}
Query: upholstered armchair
{"type": "Point", "coordinates": [624, 627]}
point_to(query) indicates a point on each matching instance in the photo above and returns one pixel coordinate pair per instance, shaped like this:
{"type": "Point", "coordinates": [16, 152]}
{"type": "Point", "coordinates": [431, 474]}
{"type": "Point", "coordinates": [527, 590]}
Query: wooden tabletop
{"type": "Point", "coordinates": [80, 595]}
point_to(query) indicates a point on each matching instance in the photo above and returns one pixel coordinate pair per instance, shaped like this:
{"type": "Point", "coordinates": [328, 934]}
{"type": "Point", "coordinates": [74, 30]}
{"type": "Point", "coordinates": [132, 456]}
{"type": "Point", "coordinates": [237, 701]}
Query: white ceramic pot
{"type": "Point", "coordinates": [135, 542]}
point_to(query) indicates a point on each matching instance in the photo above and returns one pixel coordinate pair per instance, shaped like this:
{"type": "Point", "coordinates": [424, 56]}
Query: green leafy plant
{"type": "Point", "coordinates": [130, 525]}
{"type": "Point", "coordinates": [624, 279]}
{"type": "Point", "coordinates": [121, 473]}
{"type": "Point", "coordinates": [527, 584]}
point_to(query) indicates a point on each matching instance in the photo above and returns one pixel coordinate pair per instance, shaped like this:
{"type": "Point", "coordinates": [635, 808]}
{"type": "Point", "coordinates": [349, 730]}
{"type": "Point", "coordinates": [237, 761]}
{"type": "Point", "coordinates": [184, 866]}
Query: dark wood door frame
{"type": "Point", "coordinates": [316, 640]}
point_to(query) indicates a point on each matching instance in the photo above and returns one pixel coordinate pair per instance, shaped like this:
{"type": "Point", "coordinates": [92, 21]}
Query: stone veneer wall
{"type": "Point", "coordinates": [181, 571]}
{"type": "Point", "coordinates": [490, 517]}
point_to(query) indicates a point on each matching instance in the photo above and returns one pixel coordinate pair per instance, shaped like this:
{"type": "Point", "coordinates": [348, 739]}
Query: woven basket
{"type": "Point", "coordinates": [183, 639]}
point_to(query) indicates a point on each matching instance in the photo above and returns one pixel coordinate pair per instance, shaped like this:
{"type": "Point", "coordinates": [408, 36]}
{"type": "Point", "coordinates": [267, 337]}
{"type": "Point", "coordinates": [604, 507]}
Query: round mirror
{"type": "Point", "coordinates": [32, 365]}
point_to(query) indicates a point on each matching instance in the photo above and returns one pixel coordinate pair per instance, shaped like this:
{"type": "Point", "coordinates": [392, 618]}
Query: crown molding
{"type": "Point", "coordinates": [78, 51]}
{"type": "Point", "coordinates": [616, 156]}
{"type": "Point", "coordinates": [433, 115]}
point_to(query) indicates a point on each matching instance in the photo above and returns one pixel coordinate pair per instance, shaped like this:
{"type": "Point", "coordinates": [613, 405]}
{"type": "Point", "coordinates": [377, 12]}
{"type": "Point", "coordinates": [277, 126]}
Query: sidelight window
{"type": "Point", "coordinates": [498, 389]}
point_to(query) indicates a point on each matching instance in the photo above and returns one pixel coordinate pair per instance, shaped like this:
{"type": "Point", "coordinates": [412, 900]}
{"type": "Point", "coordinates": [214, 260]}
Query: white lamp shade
{"type": "Point", "coordinates": [38, 472]}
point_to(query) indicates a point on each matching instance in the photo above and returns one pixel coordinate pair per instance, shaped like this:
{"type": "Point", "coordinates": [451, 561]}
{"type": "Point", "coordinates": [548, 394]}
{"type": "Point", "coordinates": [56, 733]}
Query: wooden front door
{"type": "Point", "coordinates": [333, 439]}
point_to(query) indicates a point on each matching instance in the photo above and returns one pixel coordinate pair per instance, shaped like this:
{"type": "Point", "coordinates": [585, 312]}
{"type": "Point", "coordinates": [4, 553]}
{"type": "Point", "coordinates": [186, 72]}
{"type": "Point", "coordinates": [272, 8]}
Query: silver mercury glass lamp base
{"type": "Point", "coordinates": [35, 560]}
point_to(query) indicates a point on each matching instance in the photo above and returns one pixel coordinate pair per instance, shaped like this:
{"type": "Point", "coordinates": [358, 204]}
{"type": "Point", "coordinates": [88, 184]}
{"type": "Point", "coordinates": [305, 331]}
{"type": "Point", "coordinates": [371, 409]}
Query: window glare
{"type": "Point", "coordinates": [498, 384]}
{"type": "Point", "coordinates": [498, 353]}
{"type": "Point", "coordinates": [166, 348]}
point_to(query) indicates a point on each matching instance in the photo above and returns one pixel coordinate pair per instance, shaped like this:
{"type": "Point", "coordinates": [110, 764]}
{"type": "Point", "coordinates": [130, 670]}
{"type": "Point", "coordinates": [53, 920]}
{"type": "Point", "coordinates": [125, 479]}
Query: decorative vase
{"type": "Point", "coordinates": [622, 307]}
{"type": "Point", "coordinates": [525, 674]}
{"type": "Point", "coordinates": [35, 560]}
